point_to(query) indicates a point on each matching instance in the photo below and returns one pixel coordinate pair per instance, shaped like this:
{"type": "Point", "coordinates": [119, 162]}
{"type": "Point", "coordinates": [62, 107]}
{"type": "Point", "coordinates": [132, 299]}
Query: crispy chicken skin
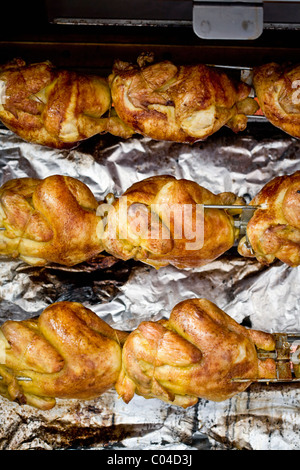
{"type": "Point", "coordinates": [178, 103]}
{"type": "Point", "coordinates": [163, 226]}
{"type": "Point", "coordinates": [55, 108]}
{"type": "Point", "coordinates": [274, 230]}
{"type": "Point", "coordinates": [158, 221]}
{"type": "Point", "coordinates": [278, 91]}
{"type": "Point", "coordinates": [68, 352]}
{"type": "Point", "coordinates": [49, 220]}
{"type": "Point", "coordinates": [195, 354]}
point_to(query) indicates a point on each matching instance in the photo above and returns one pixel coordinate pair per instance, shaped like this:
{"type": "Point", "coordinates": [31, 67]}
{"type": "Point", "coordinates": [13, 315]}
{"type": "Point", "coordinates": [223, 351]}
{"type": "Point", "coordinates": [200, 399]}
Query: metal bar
{"type": "Point", "coordinates": [20, 378]}
{"type": "Point", "coordinates": [230, 67]}
{"type": "Point", "coordinates": [120, 22]}
{"type": "Point", "coordinates": [291, 380]}
{"type": "Point", "coordinates": [257, 118]}
{"type": "Point", "coordinates": [228, 206]}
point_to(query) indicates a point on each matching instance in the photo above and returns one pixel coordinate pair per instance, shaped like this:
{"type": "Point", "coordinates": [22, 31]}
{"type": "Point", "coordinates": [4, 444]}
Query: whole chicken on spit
{"type": "Point", "coordinates": [59, 108]}
{"type": "Point", "coordinates": [274, 229]}
{"type": "Point", "coordinates": [278, 91]}
{"type": "Point", "coordinates": [178, 103]}
{"type": "Point", "coordinates": [158, 221]}
{"type": "Point", "coordinates": [50, 220]}
{"type": "Point", "coordinates": [164, 227]}
{"type": "Point", "coordinates": [196, 353]}
{"type": "Point", "coordinates": [69, 352]}
{"type": "Point", "coordinates": [59, 220]}
{"type": "Point", "coordinates": [53, 107]}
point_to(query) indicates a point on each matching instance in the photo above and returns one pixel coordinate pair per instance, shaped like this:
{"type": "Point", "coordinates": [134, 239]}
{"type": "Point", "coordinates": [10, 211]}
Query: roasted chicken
{"type": "Point", "coordinates": [187, 103]}
{"type": "Point", "coordinates": [196, 353]}
{"type": "Point", "coordinates": [158, 221]}
{"type": "Point", "coordinates": [274, 230]}
{"type": "Point", "coordinates": [55, 108]}
{"type": "Point", "coordinates": [50, 220]}
{"type": "Point", "coordinates": [69, 352]}
{"type": "Point", "coordinates": [178, 103]}
{"type": "Point", "coordinates": [278, 91]}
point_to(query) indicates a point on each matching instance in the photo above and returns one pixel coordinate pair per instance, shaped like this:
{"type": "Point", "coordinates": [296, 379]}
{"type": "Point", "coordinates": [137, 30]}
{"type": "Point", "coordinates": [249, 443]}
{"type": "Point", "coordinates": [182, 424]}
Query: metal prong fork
{"type": "Point", "coordinates": [286, 356]}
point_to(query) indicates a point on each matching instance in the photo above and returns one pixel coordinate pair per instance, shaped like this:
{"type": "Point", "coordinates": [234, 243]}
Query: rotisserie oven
{"type": "Point", "coordinates": [150, 225]}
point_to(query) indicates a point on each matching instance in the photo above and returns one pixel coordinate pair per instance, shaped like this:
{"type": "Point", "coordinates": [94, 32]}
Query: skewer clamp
{"type": "Point", "coordinates": [287, 359]}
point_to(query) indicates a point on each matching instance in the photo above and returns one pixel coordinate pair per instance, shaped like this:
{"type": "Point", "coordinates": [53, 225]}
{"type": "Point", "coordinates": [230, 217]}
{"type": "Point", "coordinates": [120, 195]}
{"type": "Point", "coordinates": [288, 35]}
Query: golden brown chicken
{"type": "Point", "coordinates": [55, 108]}
{"type": "Point", "coordinates": [178, 103]}
{"type": "Point", "coordinates": [278, 91]}
{"type": "Point", "coordinates": [68, 352]}
{"type": "Point", "coordinates": [274, 230]}
{"type": "Point", "coordinates": [160, 221]}
{"type": "Point", "coordinates": [50, 220]}
{"type": "Point", "coordinates": [195, 354]}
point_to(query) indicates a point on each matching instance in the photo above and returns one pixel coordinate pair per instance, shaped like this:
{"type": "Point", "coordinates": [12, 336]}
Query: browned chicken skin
{"type": "Point", "coordinates": [60, 108]}
{"type": "Point", "coordinates": [69, 352]}
{"type": "Point", "coordinates": [50, 220]}
{"type": "Point", "coordinates": [196, 353]}
{"type": "Point", "coordinates": [59, 220]}
{"type": "Point", "coordinates": [170, 231]}
{"type": "Point", "coordinates": [278, 91]}
{"type": "Point", "coordinates": [55, 108]}
{"type": "Point", "coordinates": [181, 104]}
{"type": "Point", "coordinates": [274, 230]}
{"type": "Point", "coordinates": [159, 221]}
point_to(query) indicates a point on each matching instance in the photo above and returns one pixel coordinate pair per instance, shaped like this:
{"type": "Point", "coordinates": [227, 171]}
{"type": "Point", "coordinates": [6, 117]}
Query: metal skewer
{"type": "Point", "coordinates": [282, 354]}
{"type": "Point", "coordinates": [276, 380]}
{"type": "Point", "coordinates": [246, 77]}
{"type": "Point", "coordinates": [256, 118]}
{"type": "Point", "coordinates": [233, 67]}
{"type": "Point", "coordinates": [231, 206]}
{"type": "Point", "coordinates": [242, 222]}
{"type": "Point", "coordinates": [20, 378]}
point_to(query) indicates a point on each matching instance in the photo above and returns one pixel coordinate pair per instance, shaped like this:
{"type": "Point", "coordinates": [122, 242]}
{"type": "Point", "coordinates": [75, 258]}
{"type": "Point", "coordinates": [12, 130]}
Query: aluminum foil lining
{"type": "Point", "coordinates": [125, 293]}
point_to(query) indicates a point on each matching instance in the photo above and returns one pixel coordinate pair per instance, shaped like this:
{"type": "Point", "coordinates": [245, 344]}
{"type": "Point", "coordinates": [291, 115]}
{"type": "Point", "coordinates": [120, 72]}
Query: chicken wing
{"type": "Point", "coordinates": [181, 104]}
{"type": "Point", "coordinates": [55, 108]}
{"type": "Point", "coordinates": [195, 354]}
{"type": "Point", "coordinates": [274, 230]}
{"type": "Point", "coordinates": [278, 91]}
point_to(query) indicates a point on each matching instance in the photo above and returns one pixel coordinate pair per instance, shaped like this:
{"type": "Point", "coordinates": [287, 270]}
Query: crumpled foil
{"type": "Point", "coordinates": [264, 417]}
